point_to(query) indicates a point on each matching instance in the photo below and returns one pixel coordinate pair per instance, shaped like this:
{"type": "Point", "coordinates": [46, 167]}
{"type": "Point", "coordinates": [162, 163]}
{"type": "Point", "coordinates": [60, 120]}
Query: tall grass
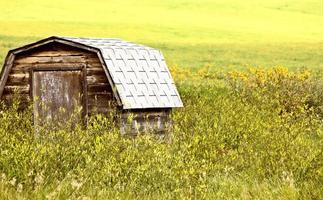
{"type": "Point", "coordinates": [230, 141]}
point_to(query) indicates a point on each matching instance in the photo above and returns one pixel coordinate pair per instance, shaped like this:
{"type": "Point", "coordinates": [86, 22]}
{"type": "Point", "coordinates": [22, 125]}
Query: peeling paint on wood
{"type": "Point", "coordinates": [57, 95]}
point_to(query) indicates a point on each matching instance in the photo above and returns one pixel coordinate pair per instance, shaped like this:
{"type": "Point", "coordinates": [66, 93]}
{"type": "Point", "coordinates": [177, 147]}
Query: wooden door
{"type": "Point", "coordinates": [57, 96]}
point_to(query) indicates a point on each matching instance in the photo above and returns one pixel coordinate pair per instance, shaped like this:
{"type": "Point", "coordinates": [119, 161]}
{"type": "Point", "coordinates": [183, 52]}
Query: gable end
{"type": "Point", "coordinates": [13, 55]}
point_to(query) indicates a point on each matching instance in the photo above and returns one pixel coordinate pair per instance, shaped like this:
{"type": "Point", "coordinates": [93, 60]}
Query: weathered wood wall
{"type": "Point", "coordinates": [99, 92]}
{"type": "Point", "coordinates": [147, 120]}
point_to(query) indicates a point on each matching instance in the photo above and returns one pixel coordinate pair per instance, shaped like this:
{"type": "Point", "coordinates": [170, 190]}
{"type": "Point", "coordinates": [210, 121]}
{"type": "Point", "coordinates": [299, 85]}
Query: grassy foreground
{"type": "Point", "coordinates": [259, 136]}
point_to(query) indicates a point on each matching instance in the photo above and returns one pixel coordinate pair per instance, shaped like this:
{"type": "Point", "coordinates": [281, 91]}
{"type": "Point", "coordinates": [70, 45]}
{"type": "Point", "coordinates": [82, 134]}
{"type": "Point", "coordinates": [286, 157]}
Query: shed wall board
{"type": "Point", "coordinates": [140, 121]}
{"type": "Point", "coordinates": [56, 55]}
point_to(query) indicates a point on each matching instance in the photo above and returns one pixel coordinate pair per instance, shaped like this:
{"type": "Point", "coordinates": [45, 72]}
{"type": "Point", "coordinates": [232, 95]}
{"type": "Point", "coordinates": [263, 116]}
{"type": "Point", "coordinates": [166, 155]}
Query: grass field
{"type": "Point", "coordinates": [223, 34]}
{"type": "Point", "coordinates": [243, 134]}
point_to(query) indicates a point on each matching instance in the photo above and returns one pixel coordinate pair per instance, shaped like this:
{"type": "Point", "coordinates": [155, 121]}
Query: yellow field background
{"type": "Point", "coordinates": [192, 34]}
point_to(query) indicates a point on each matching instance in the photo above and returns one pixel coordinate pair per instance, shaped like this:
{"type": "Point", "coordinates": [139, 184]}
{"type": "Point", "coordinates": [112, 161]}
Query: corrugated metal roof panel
{"type": "Point", "coordinates": [140, 73]}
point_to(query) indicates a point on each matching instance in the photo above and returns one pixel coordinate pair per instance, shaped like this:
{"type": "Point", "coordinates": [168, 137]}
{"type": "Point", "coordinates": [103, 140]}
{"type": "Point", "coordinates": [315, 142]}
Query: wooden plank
{"type": "Point", "coordinates": [85, 97]}
{"type": "Point", "coordinates": [108, 95]}
{"type": "Point", "coordinates": [18, 68]}
{"type": "Point", "coordinates": [100, 100]}
{"type": "Point", "coordinates": [56, 53]}
{"type": "Point", "coordinates": [93, 64]}
{"type": "Point", "coordinates": [18, 79]}
{"type": "Point", "coordinates": [11, 97]}
{"type": "Point", "coordinates": [99, 87]}
{"type": "Point", "coordinates": [94, 109]}
{"type": "Point", "coordinates": [61, 68]}
{"type": "Point", "coordinates": [145, 114]}
{"type": "Point", "coordinates": [147, 111]}
{"type": "Point", "coordinates": [51, 59]}
{"type": "Point", "coordinates": [95, 71]}
{"type": "Point", "coordinates": [148, 118]}
{"type": "Point", "coordinates": [19, 89]}
{"type": "Point", "coordinates": [104, 92]}
{"type": "Point", "coordinates": [5, 71]}
{"type": "Point", "coordinates": [156, 125]}
{"type": "Point", "coordinates": [93, 79]}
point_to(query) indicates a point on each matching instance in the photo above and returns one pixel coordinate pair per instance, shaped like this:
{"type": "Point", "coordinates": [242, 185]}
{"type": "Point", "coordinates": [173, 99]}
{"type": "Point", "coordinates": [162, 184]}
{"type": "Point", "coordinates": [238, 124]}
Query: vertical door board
{"type": "Point", "coordinates": [57, 94]}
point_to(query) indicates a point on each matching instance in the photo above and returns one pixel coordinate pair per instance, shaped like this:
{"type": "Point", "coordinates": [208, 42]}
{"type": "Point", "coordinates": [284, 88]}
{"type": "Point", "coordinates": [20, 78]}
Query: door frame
{"type": "Point", "coordinates": [63, 67]}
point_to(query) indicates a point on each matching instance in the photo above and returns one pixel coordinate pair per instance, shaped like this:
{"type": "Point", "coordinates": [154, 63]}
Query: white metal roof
{"type": "Point", "coordinates": [140, 73]}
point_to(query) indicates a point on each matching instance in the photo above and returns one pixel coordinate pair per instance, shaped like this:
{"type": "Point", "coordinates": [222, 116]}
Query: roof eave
{"type": "Point", "coordinates": [151, 107]}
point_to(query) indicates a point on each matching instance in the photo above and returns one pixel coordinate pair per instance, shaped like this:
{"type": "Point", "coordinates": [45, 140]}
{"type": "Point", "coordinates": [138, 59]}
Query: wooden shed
{"type": "Point", "coordinates": [97, 75]}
